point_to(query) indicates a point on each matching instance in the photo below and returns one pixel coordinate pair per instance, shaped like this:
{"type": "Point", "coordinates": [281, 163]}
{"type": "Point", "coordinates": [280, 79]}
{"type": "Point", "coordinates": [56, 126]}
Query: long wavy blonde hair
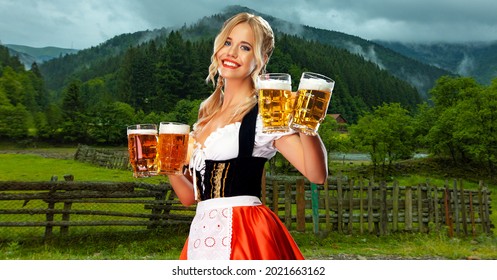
{"type": "Point", "coordinates": [264, 46]}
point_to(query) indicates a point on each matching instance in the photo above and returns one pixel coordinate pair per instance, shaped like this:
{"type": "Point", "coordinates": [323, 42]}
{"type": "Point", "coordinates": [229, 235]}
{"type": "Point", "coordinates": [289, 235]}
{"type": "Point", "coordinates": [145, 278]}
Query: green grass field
{"type": "Point", "coordinates": [34, 167]}
{"type": "Point", "coordinates": [166, 244]}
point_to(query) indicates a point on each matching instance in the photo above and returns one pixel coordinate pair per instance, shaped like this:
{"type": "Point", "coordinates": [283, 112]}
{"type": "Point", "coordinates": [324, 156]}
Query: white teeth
{"type": "Point", "coordinates": [229, 63]}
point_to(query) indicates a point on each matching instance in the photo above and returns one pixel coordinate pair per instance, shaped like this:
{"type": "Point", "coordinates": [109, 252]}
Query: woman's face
{"type": "Point", "coordinates": [236, 58]}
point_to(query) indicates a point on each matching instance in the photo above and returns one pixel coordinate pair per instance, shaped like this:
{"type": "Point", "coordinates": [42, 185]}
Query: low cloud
{"type": "Point", "coordinates": [83, 24]}
{"type": "Point", "coordinates": [369, 54]}
{"type": "Point", "coordinates": [466, 66]}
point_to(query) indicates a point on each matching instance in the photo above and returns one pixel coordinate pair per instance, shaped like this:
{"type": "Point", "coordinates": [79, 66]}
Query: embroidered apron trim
{"type": "Point", "coordinates": [210, 231]}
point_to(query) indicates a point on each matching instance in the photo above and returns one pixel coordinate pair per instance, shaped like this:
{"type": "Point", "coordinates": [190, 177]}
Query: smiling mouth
{"type": "Point", "coordinates": [230, 64]}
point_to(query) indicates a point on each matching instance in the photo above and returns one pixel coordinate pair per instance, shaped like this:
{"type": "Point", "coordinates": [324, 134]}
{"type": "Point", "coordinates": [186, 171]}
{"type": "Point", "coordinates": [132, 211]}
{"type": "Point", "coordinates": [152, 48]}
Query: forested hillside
{"type": "Point", "coordinates": [27, 55]}
{"type": "Point", "coordinates": [421, 76]}
{"type": "Point", "coordinates": [23, 97]}
{"type": "Point", "coordinates": [475, 59]}
{"type": "Point", "coordinates": [159, 75]}
{"type": "Point", "coordinates": [151, 75]}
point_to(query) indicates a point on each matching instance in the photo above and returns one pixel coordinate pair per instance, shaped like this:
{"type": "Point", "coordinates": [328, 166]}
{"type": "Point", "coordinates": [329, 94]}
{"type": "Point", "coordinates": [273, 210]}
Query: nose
{"type": "Point", "coordinates": [233, 51]}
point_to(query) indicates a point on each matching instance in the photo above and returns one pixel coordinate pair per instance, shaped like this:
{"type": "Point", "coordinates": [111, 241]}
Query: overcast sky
{"type": "Point", "coordinates": [81, 24]}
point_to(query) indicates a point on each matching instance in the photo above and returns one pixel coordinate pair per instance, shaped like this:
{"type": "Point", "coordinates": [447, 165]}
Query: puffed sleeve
{"type": "Point", "coordinates": [264, 143]}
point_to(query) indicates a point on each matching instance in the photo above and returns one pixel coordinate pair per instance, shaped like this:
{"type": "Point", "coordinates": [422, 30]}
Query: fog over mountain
{"type": "Point", "coordinates": [475, 59]}
{"type": "Point", "coordinates": [81, 24]}
{"type": "Point", "coordinates": [467, 59]}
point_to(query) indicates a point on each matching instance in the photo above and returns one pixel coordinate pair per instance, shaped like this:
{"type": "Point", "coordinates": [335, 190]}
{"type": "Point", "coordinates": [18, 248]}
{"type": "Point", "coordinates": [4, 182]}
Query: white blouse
{"type": "Point", "coordinates": [222, 144]}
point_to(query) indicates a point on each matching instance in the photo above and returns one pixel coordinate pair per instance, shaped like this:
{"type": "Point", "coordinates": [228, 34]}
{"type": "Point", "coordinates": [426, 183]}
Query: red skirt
{"type": "Point", "coordinates": [258, 234]}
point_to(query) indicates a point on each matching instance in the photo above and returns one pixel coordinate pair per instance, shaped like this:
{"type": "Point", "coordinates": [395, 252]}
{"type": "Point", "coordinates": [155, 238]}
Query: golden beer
{"type": "Point", "coordinates": [142, 149]}
{"type": "Point", "coordinates": [275, 102]}
{"type": "Point", "coordinates": [311, 104]}
{"type": "Point", "coordinates": [173, 147]}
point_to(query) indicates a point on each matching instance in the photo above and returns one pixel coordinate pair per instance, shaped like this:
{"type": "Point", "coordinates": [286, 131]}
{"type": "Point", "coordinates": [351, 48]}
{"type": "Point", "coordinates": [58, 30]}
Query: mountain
{"type": "Point", "coordinates": [28, 55]}
{"type": "Point", "coordinates": [145, 68]}
{"type": "Point", "coordinates": [419, 74]}
{"type": "Point", "coordinates": [475, 59]}
{"type": "Point", "coordinates": [89, 63]}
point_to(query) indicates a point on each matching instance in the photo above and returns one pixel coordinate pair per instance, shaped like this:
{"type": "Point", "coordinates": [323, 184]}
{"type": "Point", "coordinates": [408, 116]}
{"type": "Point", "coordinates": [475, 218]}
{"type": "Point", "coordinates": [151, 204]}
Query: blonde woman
{"type": "Point", "coordinates": [230, 151]}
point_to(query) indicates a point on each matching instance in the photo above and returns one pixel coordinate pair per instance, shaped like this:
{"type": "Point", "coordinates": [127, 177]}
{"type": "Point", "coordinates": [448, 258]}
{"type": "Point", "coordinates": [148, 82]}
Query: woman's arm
{"type": "Point", "coordinates": [183, 188]}
{"type": "Point", "coordinates": [307, 154]}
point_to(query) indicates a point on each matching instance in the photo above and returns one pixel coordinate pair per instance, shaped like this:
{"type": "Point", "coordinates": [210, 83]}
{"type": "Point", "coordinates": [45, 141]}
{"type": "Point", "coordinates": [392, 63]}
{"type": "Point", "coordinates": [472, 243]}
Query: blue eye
{"type": "Point", "coordinates": [227, 43]}
{"type": "Point", "coordinates": [245, 48]}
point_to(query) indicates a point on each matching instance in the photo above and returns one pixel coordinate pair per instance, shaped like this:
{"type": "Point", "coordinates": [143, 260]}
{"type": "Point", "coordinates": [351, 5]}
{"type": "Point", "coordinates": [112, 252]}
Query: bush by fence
{"type": "Point", "coordinates": [344, 206]}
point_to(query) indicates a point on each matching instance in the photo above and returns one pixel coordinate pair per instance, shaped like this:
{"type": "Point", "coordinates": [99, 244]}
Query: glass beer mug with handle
{"type": "Point", "coordinates": [173, 147]}
{"type": "Point", "coordinates": [275, 101]}
{"type": "Point", "coordinates": [142, 149]}
{"type": "Point", "coordinates": [311, 104]}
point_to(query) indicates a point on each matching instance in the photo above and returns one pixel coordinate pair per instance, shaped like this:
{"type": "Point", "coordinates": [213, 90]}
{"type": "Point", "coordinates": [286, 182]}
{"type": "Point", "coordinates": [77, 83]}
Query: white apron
{"type": "Point", "coordinates": [210, 231]}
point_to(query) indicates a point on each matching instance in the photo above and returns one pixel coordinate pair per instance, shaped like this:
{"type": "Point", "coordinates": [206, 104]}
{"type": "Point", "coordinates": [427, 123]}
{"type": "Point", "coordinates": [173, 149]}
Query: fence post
{"type": "Point", "coordinates": [395, 206]}
{"type": "Point", "coordinates": [51, 207]}
{"type": "Point", "coordinates": [78, 151]}
{"type": "Point", "coordinates": [288, 205]}
{"type": "Point", "coordinates": [67, 207]}
{"type": "Point", "coordinates": [455, 199]}
{"type": "Point", "coordinates": [436, 205]}
{"type": "Point", "coordinates": [463, 208]}
{"type": "Point", "coordinates": [315, 207]}
{"type": "Point", "coordinates": [351, 206]}
{"type": "Point", "coordinates": [339, 205]}
{"type": "Point", "coordinates": [481, 206]}
{"type": "Point", "coordinates": [361, 206]}
{"type": "Point", "coordinates": [327, 205]}
{"type": "Point", "coordinates": [408, 209]}
{"type": "Point", "coordinates": [448, 212]}
{"type": "Point", "coordinates": [300, 197]}
{"type": "Point", "coordinates": [383, 209]}
{"type": "Point", "coordinates": [472, 215]}
{"type": "Point", "coordinates": [160, 210]}
{"type": "Point", "coordinates": [486, 220]}
{"type": "Point", "coordinates": [275, 197]}
{"type": "Point", "coordinates": [370, 206]}
{"type": "Point", "coordinates": [428, 195]}
{"type": "Point", "coordinates": [419, 195]}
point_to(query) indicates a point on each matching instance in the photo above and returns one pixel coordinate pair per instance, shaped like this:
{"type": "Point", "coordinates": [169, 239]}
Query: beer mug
{"type": "Point", "coordinates": [142, 149]}
{"type": "Point", "coordinates": [173, 147]}
{"type": "Point", "coordinates": [275, 101]}
{"type": "Point", "coordinates": [313, 98]}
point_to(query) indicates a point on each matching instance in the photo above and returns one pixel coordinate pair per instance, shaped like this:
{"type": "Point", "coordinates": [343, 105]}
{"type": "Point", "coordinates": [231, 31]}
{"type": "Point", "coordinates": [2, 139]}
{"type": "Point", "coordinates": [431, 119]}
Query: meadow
{"type": "Point", "coordinates": [166, 243]}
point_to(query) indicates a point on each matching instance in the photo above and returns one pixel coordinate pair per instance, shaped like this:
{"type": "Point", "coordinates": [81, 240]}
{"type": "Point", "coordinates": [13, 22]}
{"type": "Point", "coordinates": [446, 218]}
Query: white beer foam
{"type": "Point", "coordinates": [142, 131]}
{"type": "Point", "coordinates": [174, 128]}
{"type": "Point", "coordinates": [274, 84]}
{"type": "Point", "coordinates": [316, 84]}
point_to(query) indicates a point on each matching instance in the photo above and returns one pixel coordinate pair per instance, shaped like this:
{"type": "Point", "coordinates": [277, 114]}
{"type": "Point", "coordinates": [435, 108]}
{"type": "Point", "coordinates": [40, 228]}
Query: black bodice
{"type": "Point", "coordinates": [238, 176]}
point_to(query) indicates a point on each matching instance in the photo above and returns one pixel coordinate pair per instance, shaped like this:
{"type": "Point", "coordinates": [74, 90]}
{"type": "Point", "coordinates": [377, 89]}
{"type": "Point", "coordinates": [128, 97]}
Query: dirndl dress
{"type": "Point", "coordinates": [230, 222]}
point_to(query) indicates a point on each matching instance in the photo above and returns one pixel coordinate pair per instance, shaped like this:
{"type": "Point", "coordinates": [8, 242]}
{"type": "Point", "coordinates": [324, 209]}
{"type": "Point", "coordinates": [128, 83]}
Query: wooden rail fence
{"type": "Point", "coordinates": [111, 159]}
{"type": "Point", "coordinates": [353, 206]}
{"type": "Point", "coordinates": [346, 206]}
{"type": "Point", "coordinates": [67, 204]}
